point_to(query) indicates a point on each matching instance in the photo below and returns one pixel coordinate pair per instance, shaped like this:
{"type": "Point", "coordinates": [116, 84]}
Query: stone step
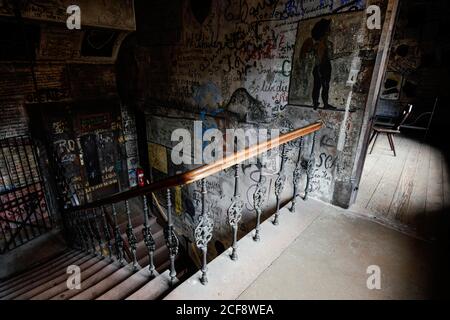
{"type": "Point", "coordinates": [55, 281]}
{"type": "Point", "coordinates": [142, 251]}
{"type": "Point", "coordinates": [87, 283]}
{"type": "Point", "coordinates": [153, 289]}
{"type": "Point", "coordinates": [142, 277]}
{"type": "Point", "coordinates": [37, 268]}
{"type": "Point", "coordinates": [33, 273]}
{"type": "Point", "coordinates": [128, 286]}
{"type": "Point", "coordinates": [160, 257]}
{"type": "Point", "coordinates": [136, 220]}
{"type": "Point", "coordinates": [138, 232]}
{"type": "Point", "coordinates": [101, 277]}
{"type": "Point", "coordinates": [42, 278]}
{"type": "Point", "coordinates": [61, 287]}
{"type": "Point", "coordinates": [106, 284]}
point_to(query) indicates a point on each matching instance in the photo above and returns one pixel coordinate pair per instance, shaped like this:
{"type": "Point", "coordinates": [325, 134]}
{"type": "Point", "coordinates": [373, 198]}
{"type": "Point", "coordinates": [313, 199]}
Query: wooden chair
{"type": "Point", "coordinates": [390, 131]}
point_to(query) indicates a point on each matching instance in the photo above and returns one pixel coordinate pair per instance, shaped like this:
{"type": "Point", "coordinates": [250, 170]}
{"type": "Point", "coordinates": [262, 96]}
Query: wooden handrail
{"type": "Point", "coordinates": [206, 170]}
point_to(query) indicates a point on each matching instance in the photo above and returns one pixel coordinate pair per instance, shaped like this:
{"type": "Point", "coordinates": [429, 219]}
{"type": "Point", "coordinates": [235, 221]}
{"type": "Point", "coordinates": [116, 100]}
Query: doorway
{"type": "Point", "coordinates": [85, 148]}
{"type": "Point", "coordinates": [409, 189]}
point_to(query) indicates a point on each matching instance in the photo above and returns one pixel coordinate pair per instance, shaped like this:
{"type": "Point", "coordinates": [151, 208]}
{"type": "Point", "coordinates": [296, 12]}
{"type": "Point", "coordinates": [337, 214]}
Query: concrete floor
{"type": "Point", "coordinates": [324, 252]}
{"type": "Point", "coordinates": [329, 260]}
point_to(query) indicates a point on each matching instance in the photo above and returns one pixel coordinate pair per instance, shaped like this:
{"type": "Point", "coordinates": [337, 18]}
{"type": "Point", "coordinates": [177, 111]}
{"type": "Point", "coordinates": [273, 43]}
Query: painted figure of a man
{"type": "Point", "coordinates": [321, 49]}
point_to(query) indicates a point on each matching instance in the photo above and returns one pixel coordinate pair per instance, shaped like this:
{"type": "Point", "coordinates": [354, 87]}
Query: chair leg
{"type": "Point", "coordinates": [372, 136]}
{"type": "Point", "coordinates": [373, 145]}
{"type": "Point", "coordinates": [391, 141]}
{"type": "Point", "coordinates": [388, 136]}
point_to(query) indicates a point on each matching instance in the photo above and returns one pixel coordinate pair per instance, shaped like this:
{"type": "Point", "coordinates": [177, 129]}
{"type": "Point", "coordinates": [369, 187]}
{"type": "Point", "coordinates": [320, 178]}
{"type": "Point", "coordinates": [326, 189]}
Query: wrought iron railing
{"type": "Point", "coordinates": [91, 228]}
{"type": "Point", "coordinates": [24, 213]}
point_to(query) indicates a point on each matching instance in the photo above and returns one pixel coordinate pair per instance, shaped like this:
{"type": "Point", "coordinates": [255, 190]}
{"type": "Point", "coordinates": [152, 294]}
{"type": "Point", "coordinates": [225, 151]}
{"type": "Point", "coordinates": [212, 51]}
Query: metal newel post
{"type": "Point", "coordinates": [148, 238]}
{"type": "Point", "coordinates": [297, 175]}
{"type": "Point", "coordinates": [279, 184]}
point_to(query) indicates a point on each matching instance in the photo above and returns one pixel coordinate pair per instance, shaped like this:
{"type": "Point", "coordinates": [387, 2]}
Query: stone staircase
{"type": "Point", "coordinates": [94, 226]}
{"type": "Point", "coordinates": [102, 277]}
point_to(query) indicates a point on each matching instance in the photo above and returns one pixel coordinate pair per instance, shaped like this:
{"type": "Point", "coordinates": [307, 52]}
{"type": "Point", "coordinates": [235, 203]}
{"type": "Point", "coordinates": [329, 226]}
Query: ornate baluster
{"type": "Point", "coordinates": [172, 241]}
{"type": "Point", "coordinates": [297, 175]}
{"type": "Point", "coordinates": [97, 233]}
{"type": "Point", "coordinates": [235, 212]}
{"type": "Point", "coordinates": [107, 233]}
{"type": "Point", "coordinates": [203, 233]}
{"type": "Point", "coordinates": [310, 166]}
{"type": "Point", "coordinates": [82, 221]}
{"type": "Point", "coordinates": [90, 232]}
{"type": "Point", "coordinates": [130, 236]}
{"type": "Point", "coordinates": [76, 236]}
{"type": "Point", "coordinates": [117, 237]}
{"type": "Point", "coordinates": [148, 238]}
{"type": "Point", "coordinates": [81, 232]}
{"type": "Point", "coordinates": [258, 200]}
{"type": "Point", "coordinates": [279, 183]}
{"type": "Point", "coordinates": [74, 232]}
{"type": "Point", "coordinates": [69, 229]}
{"type": "Point", "coordinates": [87, 245]}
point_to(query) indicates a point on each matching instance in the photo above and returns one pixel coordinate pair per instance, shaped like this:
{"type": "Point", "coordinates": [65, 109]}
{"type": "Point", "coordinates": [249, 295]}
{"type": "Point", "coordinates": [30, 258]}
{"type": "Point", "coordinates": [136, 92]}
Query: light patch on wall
{"type": "Point", "coordinates": [158, 157]}
{"type": "Point", "coordinates": [178, 201]}
{"type": "Point", "coordinates": [354, 70]}
{"type": "Point", "coordinates": [341, 141]}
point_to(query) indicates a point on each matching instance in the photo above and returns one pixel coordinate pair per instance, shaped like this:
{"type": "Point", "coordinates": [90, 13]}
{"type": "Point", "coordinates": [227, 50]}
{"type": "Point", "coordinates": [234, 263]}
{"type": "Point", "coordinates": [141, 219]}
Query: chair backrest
{"type": "Point", "coordinates": [405, 114]}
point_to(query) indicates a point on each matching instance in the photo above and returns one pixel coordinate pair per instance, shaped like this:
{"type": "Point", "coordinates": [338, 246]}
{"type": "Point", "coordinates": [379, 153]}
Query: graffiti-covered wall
{"type": "Point", "coordinates": [64, 78]}
{"type": "Point", "coordinates": [258, 63]}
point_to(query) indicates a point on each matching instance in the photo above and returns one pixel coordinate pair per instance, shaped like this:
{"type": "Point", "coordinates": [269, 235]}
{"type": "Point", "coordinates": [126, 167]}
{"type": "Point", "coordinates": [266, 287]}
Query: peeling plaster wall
{"type": "Point", "coordinates": [233, 66]}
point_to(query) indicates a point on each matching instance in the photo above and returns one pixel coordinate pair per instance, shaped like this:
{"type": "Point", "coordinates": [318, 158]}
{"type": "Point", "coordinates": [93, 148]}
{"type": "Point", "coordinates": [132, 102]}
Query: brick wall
{"type": "Point", "coordinates": [13, 120]}
{"type": "Point", "coordinates": [64, 79]}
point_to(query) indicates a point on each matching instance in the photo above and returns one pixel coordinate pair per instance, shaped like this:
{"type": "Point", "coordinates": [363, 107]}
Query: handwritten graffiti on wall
{"type": "Point", "coordinates": [131, 147]}
{"type": "Point", "coordinates": [241, 59]}
{"type": "Point", "coordinates": [86, 148]}
{"type": "Point", "coordinates": [117, 14]}
{"type": "Point", "coordinates": [293, 10]}
{"type": "Point", "coordinates": [66, 150]}
{"type": "Point", "coordinates": [240, 43]}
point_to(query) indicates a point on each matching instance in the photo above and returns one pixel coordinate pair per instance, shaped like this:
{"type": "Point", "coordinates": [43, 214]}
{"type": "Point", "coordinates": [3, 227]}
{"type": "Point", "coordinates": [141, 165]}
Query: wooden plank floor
{"type": "Point", "coordinates": [410, 191]}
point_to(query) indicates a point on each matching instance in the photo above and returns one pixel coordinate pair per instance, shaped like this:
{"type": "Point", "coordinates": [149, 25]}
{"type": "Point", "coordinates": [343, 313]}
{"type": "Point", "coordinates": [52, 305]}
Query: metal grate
{"type": "Point", "coordinates": [24, 213]}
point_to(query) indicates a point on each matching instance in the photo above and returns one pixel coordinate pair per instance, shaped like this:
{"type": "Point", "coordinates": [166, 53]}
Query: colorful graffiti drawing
{"type": "Point", "coordinates": [323, 61]}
